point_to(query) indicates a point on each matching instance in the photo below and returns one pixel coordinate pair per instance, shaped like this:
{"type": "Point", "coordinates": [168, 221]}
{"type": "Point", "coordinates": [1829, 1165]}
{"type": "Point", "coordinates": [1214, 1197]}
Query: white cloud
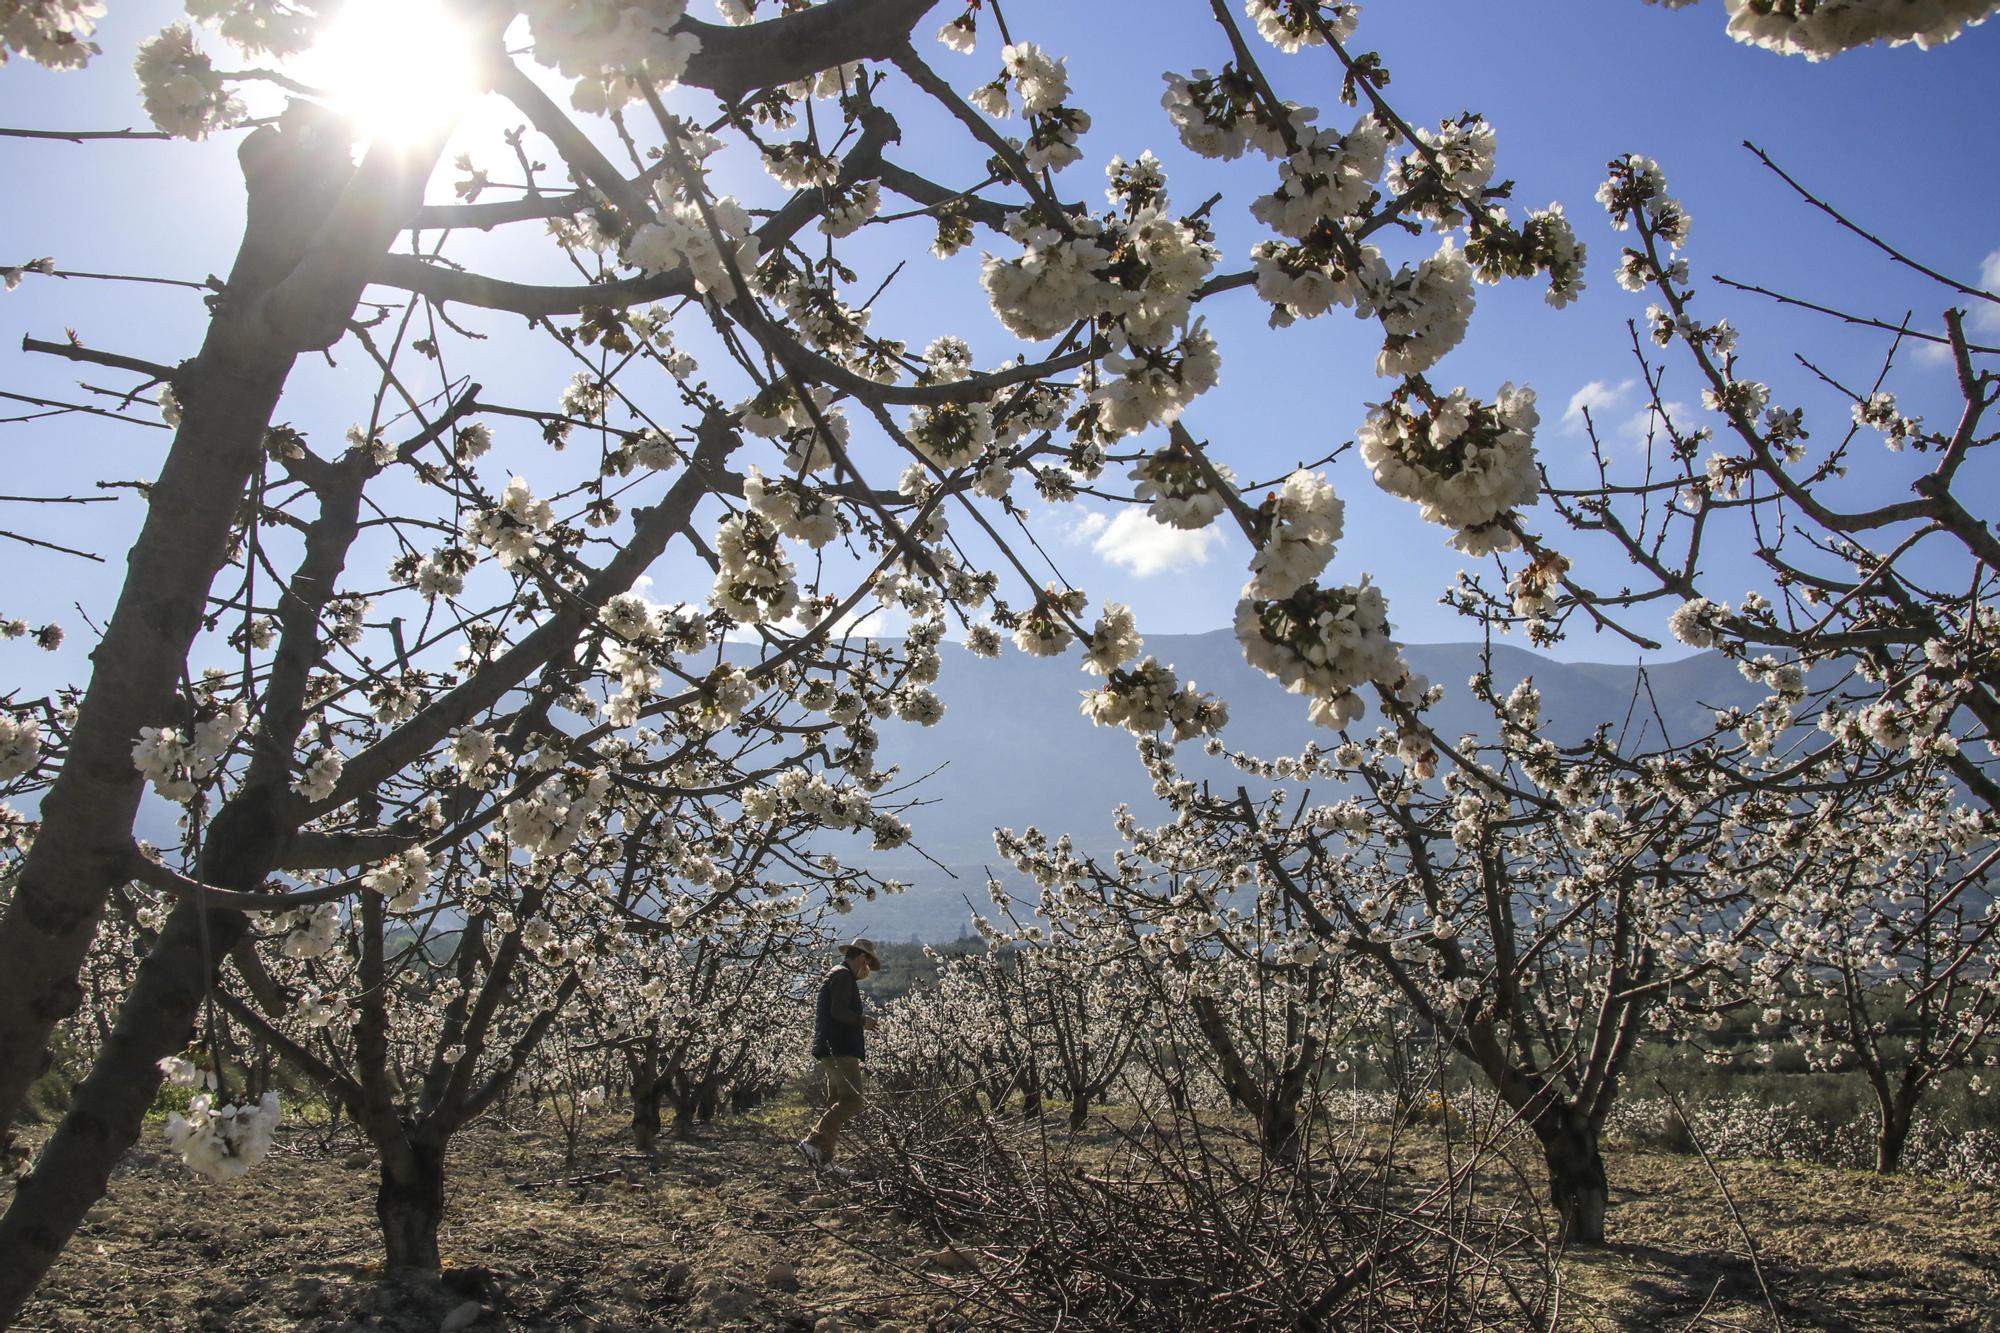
{"type": "Point", "coordinates": [1646, 421]}
{"type": "Point", "coordinates": [869, 620]}
{"type": "Point", "coordinates": [1623, 420]}
{"type": "Point", "coordinates": [1984, 316]}
{"type": "Point", "coordinates": [1136, 542]}
{"type": "Point", "coordinates": [1597, 398]}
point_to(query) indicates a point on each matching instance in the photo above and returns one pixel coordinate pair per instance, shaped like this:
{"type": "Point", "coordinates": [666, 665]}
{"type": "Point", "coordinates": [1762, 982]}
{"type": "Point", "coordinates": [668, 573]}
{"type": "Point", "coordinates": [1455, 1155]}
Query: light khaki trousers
{"type": "Point", "coordinates": [847, 1093]}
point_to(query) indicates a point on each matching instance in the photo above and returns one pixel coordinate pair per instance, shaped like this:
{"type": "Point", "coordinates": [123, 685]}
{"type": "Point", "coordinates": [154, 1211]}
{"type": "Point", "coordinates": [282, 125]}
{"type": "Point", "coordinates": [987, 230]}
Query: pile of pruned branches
{"type": "Point", "coordinates": [1180, 1224]}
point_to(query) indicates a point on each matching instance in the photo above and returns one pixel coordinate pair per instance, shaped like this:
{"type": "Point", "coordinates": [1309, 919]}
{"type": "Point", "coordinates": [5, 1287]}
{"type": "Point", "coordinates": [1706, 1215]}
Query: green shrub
{"type": "Point", "coordinates": [48, 1099]}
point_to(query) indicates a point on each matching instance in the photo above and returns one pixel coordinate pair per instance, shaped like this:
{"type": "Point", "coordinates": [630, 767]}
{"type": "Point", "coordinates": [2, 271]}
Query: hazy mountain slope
{"type": "Point", "coordinates": [1014, 749]}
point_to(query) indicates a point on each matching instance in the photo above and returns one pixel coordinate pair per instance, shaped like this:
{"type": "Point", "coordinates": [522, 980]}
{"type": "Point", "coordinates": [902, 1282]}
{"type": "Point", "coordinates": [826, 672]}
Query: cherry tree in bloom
{"type": "Point", "coordinates": [966, 1034]}
{"type": "Point", "coordinates": [1888, 964]}
{"type": "Point", "coordinates": [1248, 1014]}
{"type": "Point", "coordinates": [695, 1022]}
{"type": "Point", "coordinates": [1866, 593]}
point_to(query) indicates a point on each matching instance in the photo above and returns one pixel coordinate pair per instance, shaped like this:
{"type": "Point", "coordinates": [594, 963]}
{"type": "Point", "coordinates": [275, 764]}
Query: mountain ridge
{"type": "Point", "coordinates": [1014, 748]}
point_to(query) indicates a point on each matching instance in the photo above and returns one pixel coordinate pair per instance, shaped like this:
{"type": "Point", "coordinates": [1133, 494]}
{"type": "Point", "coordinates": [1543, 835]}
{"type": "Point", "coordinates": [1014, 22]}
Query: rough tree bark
{"type": "Point", "coordinates": [1577, 1184]}
{"type": "Point", "coordinates": [279, 300]}
{"type": "Point", "coordinates": [228, 392]}
{"type": "Point", "coordinates": [1277, 1106]}
{"type": "Point", "coordinates": [409, 1202]}
{"type": "Point", "coordinates": [1895, 1112]}
{"type": "Point", "coordinates": [646, 1092]}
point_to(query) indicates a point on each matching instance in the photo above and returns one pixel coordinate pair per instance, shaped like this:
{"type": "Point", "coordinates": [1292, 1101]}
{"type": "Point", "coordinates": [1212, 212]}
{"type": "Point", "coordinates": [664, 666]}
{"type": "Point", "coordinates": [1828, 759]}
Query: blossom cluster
{"type": "Point", "coordinates": [1149, 696]}
{"type": "Point", "coordinates": [1447, 170]}
{"type": "Point", "coordinates": [320, 775]}
{"type": "Point", "coordinates": [681, 238]}
{"type": "Point", "coordinates": [175, 761]}
{"type": "Point", "coordinates": [754, 578]}
{"type": "Point", "coordinates": [1141, 271]}
{"type": "Point", "coordinates": [1177, 488]}
{"type": "Point", "coordinates": [1148, 387]}
{"type": "Point", "coordinates": [777, 413]}
{"type": "Point", "coordinates": [1302, 520]}
{"type": "Point", "coordinates": [510, 529]}
{"type": "Point", "coordinates": [1330, 176]}
{"type": "Point", "coordinates": [548, 821]}
{"type": "Point", "coordinates": [1291, 24]}
{"type": "Point", "coordinates": [1220, 116]}
{"type": "Point", "coordinates": [1041, 83]}
{"type": "Point", "coordinates": [20, 746]}
{"type": "Point", "coordinates": [183, 94]}
{"type": "Point", "coordinates": [223, 1141]}
{"type": "Point", "coordinates": [1468, 464]}
{"type": "Point", "coordinates": [1818, 29]}
{"type": "Point", "coordinates": [1323, 643]}
{"type": "Point", "coordinates": [52, 33]}
{"type": "Point", "coordinates": [608, 46]}
{"type": "Point", "coordinates": [315, 932]}
{"type": "Point", "coordinates": [401, 880]}
{"type": "Point", "coordinates": [796, 511]}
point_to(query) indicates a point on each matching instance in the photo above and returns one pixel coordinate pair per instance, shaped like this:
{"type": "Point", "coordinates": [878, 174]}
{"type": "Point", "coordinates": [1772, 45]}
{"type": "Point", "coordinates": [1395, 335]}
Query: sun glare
{"type": "Point", "coordinates": [400, 69]}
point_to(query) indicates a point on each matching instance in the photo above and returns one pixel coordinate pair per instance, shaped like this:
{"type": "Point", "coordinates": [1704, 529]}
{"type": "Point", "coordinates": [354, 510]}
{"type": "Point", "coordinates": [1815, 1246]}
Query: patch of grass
{"type": "Point", "coordinates": [48, 1099]}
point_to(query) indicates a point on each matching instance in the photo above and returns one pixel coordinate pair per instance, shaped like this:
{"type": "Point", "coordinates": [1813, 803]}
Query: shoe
{"type": "Point", "coordinates": [810, 1151]}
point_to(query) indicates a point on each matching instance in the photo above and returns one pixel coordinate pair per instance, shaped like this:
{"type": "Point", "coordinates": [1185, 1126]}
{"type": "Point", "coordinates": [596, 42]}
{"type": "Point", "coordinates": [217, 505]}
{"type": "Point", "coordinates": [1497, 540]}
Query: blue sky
{"type": "Point", "coordinates": [1899, 138]}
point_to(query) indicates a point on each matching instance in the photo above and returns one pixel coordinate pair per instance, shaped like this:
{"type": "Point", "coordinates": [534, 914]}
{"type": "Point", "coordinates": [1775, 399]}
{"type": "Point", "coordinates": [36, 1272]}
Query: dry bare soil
{"type": "Point", "coordinates": [730, 1231]}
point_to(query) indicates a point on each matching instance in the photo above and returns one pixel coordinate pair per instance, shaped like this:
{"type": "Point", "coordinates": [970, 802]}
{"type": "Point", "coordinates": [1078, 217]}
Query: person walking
{"type": "Point", "coordinates": [840, 1046]}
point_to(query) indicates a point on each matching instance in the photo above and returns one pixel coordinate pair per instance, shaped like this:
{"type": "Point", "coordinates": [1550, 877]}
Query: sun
{"type": "Point", "coordinates": [401, 70]}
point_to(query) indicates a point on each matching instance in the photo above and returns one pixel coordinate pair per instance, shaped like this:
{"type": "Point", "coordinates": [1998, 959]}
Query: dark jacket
{"type": "Point", "coordinates": [837, 1017]}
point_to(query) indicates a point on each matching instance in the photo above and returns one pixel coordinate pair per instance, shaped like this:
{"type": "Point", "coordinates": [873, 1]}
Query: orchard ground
{"type": "Point", "coordinates": [729, 1230]}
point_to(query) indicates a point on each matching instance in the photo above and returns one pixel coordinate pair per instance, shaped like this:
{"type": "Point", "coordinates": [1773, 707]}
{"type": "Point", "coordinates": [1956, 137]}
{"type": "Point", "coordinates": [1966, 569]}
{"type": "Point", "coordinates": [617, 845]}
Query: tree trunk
{"type": "Point", "coordinates": [1079, 1109]}
{"type": "Point", "coordinates": [1893, 1119]}
{"type": "Point", "coordinates": [1577, 1186]}
{"type": "Point", "coordinates": [1278, 1127]}
{"type": "Point", "coordinates": [315, 230]}
{"type": "Point", "coordinates": [109, 1106]}
{"type": "Point", "coordinates": [228, 392]}
{"type": "Point", "coordinates": [646, 1119]}
{"type": "Point", "coordinates": [89, 811]}
{"type": "Point", "coordinates": [998, 1088]}
{"type": "Point", "coordinates": [409, 1203]}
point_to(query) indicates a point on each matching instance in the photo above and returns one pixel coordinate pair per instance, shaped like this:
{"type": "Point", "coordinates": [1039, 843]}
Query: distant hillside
{"type": "Point", "coordinates": [1014, 748]}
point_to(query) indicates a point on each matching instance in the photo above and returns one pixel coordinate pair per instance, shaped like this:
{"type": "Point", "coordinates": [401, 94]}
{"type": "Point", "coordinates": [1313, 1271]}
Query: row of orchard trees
{"type": "Point", "coordinates": [560, 995]}
{"type": "Point", "coordinates": [1543, 911]}
{"type": "Point", "coordinates": [1083, 1017]}
{"type": "Point", "coordinates": [1248, 948]}
{"type": "Point", "coordinates": [396, 675]}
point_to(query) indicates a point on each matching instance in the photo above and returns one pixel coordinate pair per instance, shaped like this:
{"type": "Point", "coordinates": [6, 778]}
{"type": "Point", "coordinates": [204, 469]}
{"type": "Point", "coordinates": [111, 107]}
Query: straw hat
{"type": "Point", "coordinates": [865, 945]}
